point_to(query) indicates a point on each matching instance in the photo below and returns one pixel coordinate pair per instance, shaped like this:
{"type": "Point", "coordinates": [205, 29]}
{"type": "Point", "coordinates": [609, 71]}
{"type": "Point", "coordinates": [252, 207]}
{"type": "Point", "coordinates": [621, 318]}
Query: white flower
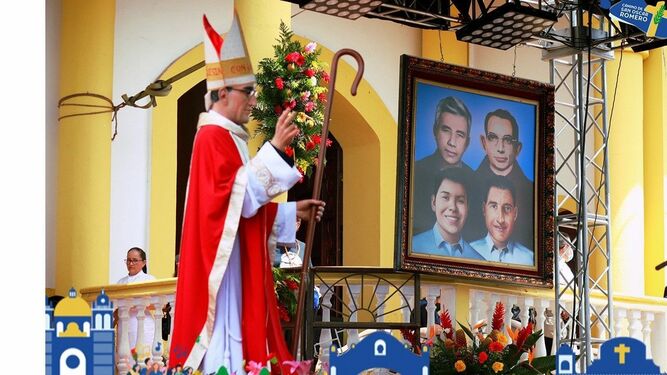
{"type": "Point", "coordinates": [313, 81]}
{"type": "Point", "coordinates": [310, 47]}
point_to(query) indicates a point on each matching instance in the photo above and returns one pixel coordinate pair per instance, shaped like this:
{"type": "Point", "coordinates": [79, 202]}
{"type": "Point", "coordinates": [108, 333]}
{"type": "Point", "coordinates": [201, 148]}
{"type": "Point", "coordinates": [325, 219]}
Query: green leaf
{"type": "Point", "coordinates": [545, 364]}
{"type": "Point", "coordinates": [467, 331]}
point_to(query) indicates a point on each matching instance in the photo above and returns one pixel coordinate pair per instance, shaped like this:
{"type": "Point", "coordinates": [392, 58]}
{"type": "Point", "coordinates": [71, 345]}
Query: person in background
{"type": "Point", "coordinates": [137, 272]}
{"type": "Point", "coordinates": [136, 267]}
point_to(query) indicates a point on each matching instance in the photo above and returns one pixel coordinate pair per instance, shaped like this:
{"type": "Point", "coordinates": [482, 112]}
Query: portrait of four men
{"type": "Point", "coordinates": [471, 198]}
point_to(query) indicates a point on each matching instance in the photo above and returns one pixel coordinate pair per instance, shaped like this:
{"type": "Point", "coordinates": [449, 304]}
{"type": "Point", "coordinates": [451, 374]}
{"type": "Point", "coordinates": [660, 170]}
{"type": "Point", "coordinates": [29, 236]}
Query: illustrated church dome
{"type": "Point", "coordinates": [72, 306]}
{"type": "Point", "coordinates": [102, 301]}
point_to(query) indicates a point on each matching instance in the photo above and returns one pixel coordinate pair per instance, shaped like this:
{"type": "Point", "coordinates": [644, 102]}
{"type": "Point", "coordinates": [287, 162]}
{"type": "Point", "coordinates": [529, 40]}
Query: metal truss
{"type": "Point", "coordinates": [582, 188]}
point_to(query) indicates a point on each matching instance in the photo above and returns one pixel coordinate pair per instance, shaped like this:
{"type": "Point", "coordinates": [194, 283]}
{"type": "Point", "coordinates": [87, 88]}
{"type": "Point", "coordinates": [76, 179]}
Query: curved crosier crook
{"type": "Point", "coordinates": [310, 234]}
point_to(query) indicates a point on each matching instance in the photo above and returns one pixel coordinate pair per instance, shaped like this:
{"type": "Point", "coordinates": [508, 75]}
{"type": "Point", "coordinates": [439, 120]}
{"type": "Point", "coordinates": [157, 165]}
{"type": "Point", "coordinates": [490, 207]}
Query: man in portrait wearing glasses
{"type": "Point", "coordinates": [451, 130]}
{"type": "Point", "coordinates": [502, 145]}
{"type": "Point", "coordinates": [226, 310]}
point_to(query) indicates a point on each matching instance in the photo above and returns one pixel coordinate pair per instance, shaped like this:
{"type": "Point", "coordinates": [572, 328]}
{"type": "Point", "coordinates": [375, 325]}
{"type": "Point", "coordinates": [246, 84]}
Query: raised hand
{"type": "Point", "coordinates": [285, 130]}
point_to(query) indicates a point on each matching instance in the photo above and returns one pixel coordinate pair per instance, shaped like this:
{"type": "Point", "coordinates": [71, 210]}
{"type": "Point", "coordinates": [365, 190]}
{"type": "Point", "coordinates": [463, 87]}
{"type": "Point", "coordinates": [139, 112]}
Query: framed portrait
{"type": "Point", "coordinates": [475, 189]}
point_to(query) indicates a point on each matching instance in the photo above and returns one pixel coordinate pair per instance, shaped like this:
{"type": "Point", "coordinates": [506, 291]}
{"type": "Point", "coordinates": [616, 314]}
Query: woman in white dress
{"type": "Point", "coordinates": [136, 273]}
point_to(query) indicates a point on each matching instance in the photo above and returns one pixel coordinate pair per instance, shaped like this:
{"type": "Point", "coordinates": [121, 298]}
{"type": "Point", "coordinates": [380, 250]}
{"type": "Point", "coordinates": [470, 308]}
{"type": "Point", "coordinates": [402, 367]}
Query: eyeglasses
{"type": "Point", "coordinates": [248, 91]}
{"type": "Point", "coordinates": [132, 261]}
{"type": "Point", "coordinates": [507, 140]}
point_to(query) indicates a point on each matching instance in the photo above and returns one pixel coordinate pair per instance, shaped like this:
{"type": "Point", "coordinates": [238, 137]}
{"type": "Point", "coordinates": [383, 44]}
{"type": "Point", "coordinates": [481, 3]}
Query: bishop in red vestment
{"type": "Point", "coordinates": [226, 309]}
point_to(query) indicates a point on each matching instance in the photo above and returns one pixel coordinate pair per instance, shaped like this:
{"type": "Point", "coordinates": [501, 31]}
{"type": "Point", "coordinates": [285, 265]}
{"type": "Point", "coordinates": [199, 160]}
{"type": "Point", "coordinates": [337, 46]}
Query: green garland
{"type": "Point", "coordinates": [293, 79]}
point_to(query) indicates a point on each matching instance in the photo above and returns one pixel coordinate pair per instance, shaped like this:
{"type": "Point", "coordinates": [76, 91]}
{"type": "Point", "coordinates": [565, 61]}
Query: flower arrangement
{"type": "Point", "coordinates": [468, 350]}
{"type": "Point", "coordinates": [293, 80]}
{"type": "Point", "coordinates": [286, 285]}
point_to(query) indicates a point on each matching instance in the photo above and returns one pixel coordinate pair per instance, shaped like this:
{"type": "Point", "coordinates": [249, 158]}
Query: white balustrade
{"type": "Point", "coordinates": [644, 318]}
{"type": "Point", "coordinates": [353, 334]}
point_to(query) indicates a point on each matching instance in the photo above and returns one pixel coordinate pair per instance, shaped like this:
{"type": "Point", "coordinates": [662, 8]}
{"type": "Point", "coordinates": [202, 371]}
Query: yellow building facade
{"type": "Point", "coordinates": [84, 221]}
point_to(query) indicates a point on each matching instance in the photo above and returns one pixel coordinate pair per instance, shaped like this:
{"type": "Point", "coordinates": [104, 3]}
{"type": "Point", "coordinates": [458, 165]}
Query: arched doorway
{"type": "Point", "coordinates": [327, 249]}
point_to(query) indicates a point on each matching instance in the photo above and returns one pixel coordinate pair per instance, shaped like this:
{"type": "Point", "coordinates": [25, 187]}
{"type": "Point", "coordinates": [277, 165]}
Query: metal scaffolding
{"type": "Point", "coordinates": [582, 189]}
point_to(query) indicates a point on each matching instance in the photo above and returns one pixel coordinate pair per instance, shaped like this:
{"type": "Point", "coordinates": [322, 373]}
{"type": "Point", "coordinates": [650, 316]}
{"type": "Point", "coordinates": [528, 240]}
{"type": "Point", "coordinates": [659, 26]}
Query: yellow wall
{"type": "Point", "coordinates": [454, 52]}
{"type": "Point", "coordinates": [626, 163]}
{"type": "Point", "coordinates": [655, 133]}
{"type": "Point", "coordinates": [84, 164]}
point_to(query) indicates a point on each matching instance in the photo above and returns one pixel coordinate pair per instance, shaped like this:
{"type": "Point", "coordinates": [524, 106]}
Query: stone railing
{"type": "Point", "coordinates": [353, 305]}
{"type": "Point", "coordinates": [140, 301]}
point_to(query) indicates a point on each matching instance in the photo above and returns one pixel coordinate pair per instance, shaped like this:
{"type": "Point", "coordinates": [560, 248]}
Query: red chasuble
{"type": "Point", "coordinates": [212, 220]}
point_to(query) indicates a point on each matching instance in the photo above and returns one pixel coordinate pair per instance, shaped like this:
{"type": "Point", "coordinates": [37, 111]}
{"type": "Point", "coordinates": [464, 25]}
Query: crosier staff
{"type": "Point", "coordinates": [318, 184]}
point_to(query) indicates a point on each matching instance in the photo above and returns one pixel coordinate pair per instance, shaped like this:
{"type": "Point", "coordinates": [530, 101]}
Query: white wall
{"type": "Point", "coordinates": [380, 43]}
{"type": "Point", "coordinates": [52, 13]}
{"type": "Point", "coordinates": [149, 35]}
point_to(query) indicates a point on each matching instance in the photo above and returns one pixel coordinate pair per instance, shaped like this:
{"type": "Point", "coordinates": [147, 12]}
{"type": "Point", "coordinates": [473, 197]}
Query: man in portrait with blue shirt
{"type": "Point", "coordinates": [500, 215]}
{"type": "Point", "coordinates": [449, 203]}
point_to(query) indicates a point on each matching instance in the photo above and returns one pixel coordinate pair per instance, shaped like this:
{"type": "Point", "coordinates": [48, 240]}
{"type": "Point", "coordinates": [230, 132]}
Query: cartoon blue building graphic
{"type": "Point", "coordinates": [80, 340]}
{"type": "Point", "coordinates": [379, 350]}
{"type": "Point", "coordinates": [621, 355]}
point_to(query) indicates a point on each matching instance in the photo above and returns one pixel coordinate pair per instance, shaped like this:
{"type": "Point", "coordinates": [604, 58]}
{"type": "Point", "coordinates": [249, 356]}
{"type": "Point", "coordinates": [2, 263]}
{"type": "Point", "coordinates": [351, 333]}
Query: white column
{"type": "Point", "coordinates": [647, 320]}
{"type": "Point", "coordinates": [409, 293]}
{"type": "Point", "coordinates": [353, 336]}
{"type": "Point", "coordinates": [635, 326]}
{"type": "Point", "coordinates": [475, 296]}
{"type": "Point", "coordinates": [658, 339]}
{"type": "Point", "coordinates": [381, 293]}
{"type": "Point", "coordinates": [139, 305]}
{"type": "Point", "coordinates": [123, 356]}
{"type": "Point", "coordinates": [432, 293]}
{"type": "Point", "coordinates": [325, 333]}
{"type": "Point", "coordinates": [620, 314]}
{"type": "Point", "coordinates": [157, 349]}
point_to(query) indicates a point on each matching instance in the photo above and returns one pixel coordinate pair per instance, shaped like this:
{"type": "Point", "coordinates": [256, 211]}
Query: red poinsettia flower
{"type": "Point", "coordinates": [317, 139]}
{"type": "Point", "coordinates": [322, 97]}
{"type": "Point", "coordinates": [309, 106]}
{"type": "Point", "coordinates": [310, 145]}
{"type": "Point", "coordinates": [279, 83]}
{"type": "Point", "coordinates": [291, 284]}
{"type": "Point", "coordinates": [278, 110]}
{"type": "Point", "coordinates": [495, 347]}
{"type": "Point", "coordinates": [295, 57]}
{"type": "Point", "coordinates": [329, 142]}
{"type": "Point", "coordinates": [309, 72]}
{"type": "Point", "coordinates": [289, 151]}
{"type": "Point", "coordinates": [482, 357]}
